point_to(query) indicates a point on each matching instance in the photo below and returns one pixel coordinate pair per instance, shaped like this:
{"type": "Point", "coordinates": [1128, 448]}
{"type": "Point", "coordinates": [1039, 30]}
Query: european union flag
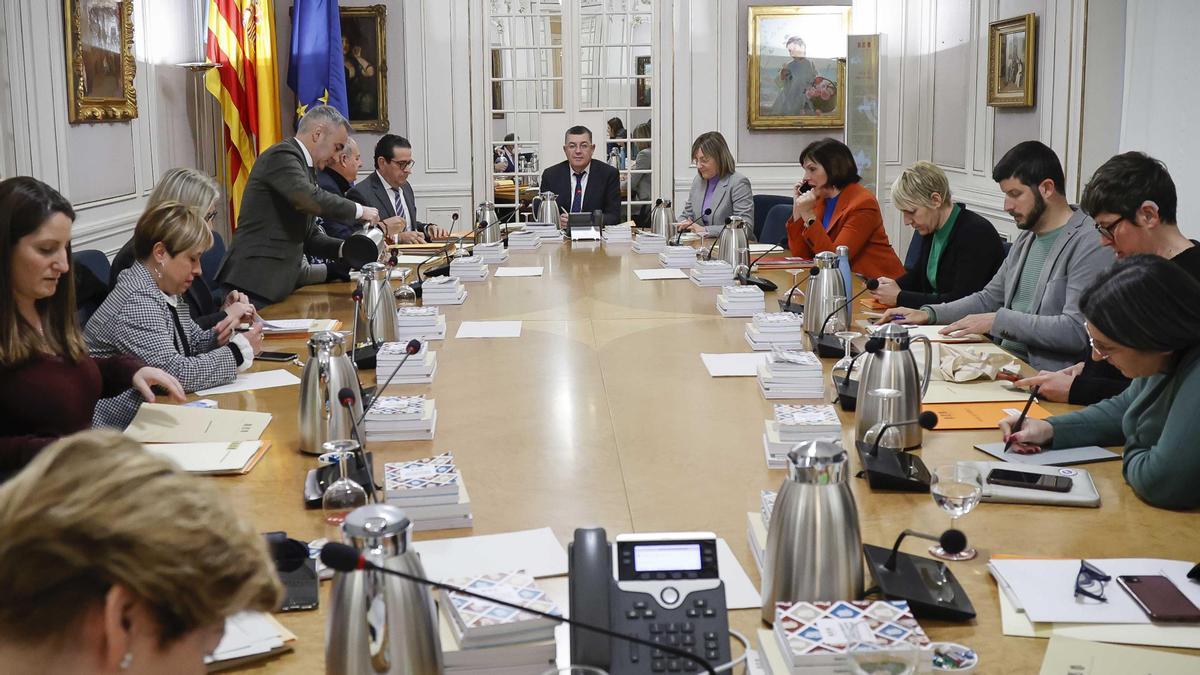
{"type": "Point", "coordinates": [316, 72]}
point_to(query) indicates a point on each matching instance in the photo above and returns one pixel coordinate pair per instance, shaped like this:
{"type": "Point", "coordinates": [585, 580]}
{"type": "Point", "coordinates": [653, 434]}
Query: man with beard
{"type": "Point", "coordinates": [1031, 305]}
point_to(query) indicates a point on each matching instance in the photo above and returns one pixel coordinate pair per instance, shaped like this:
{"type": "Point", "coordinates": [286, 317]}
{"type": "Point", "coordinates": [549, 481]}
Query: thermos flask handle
{"type": "Point", "coordinates": [928, 361]}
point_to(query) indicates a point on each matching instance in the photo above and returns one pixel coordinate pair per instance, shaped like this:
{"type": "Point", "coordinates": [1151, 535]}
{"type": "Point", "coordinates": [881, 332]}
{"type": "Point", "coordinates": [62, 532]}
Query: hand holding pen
{"type": "Point", "coordinates": [1025, 435]}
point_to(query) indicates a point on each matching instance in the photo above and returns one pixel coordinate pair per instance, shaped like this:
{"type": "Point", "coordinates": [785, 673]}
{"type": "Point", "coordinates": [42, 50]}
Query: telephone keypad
{"type": "Point", "coordinates": [698, 625]}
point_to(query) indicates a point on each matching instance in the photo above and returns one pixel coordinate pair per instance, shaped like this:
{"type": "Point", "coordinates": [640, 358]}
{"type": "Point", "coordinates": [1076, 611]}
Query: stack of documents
{"type": "Point", "coordinates": [491, 254]}
{"type": "Point", "coordinates": [820, 636]}
{"type": "Point", "coordinates": [479, 637]}
{"type": "Point", "coordinates": [213, 459]}
{"type": "Point", "coordinates": [679, 257]}
{"type": "Point", "coordinates": [298, 327]}
{"type": "Point", "coordinates": [768, 330]}
{"type": "Point", "coordinates": [758, 523]}
{"type": "Point", "coordinates": [418, 369]}
{"type": "Point", "coordinates": [649, 243]}
{"type": "Point", "coordinates": [524, 240]}
{"type": "Point", "coordinates": [712, 273]}
{"type": "Point", "coordinates": [795, 424]}
{"type": "Point", "coordinates": [618, 234]}
{"type": "Point", "coordinates": [430, 491]}
{"type": "Point", "coordinates": [548, 233]}
{"type": "Point", "coordinates": [422, 323]}
{"type": "Point", "coordinates": [249, 637]}
{"type": "Point", "coordinates": [469, 268]}
{"type": "Point", "coordinates": [741, 301]}
{"type": "Point", "coordinates": [401, 418]}
{"type": "Point", "coordinates": [443, 291]}
{"type": "Point", "coordinates": [791, 373]}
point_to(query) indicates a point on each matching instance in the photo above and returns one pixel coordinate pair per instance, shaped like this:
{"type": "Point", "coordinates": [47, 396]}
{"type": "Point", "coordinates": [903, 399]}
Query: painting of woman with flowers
{"type": "Point", "coordinates": [796, 67]}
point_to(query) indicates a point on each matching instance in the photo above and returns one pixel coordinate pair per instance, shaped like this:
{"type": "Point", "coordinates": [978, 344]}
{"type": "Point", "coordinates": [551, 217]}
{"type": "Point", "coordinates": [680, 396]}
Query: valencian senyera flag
{"type": "Point", "coordinates": [316, 68]}
{"type": "Point", "coordinates": [241, 39]}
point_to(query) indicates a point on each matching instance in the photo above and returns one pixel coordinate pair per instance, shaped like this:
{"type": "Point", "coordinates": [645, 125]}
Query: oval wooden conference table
{"type": "Point", "coordinates": [601, 413]}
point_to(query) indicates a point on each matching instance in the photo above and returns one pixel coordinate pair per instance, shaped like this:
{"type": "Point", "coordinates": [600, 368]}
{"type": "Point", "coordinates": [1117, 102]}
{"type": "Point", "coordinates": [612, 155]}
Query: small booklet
{"type": "Point", "coordinates": [1064, 457]}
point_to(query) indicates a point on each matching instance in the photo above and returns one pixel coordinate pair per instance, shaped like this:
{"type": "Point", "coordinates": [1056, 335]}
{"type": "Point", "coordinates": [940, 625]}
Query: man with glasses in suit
{"type": "Point", "coordinates": [389, 191]}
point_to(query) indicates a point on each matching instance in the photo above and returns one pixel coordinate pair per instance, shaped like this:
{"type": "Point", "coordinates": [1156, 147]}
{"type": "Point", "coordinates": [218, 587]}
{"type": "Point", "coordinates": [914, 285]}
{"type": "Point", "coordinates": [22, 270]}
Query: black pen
{"type": "Point", "coordinates": [1021, 420]}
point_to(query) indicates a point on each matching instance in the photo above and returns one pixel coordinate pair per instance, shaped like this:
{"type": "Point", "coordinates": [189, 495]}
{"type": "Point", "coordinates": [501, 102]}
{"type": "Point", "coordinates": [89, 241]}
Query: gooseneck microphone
{"type": "Point", "coordinates": [952, 541]}
{"type": "Point", "coordinates": [411, 347]}
{"type": "Point", "coordinates": [873, 346]}
{"type": "Point", "coordinates": [787, 306]}
{"type": "Point", "coordinates": [679, 237]}
{"type": "Point", "coordinates": [926, 420]}
{"type": "Point", "coordinates": [347, 397]}
{"type": "Point", "coordinates": [344, 558]}
{"type": "Point", "coordinates": [872, 284]}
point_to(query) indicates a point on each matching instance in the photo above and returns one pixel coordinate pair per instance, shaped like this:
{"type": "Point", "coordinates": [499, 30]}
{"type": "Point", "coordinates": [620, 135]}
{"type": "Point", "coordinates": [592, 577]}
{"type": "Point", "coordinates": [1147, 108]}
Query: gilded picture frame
{"type": "Point", "coordinates": [364, 48]}
{"type": "Point", "coordinates": [796, 67]}
{"type": "Point", "coordinates": [1012, 62]}
{"type": "Point", "coordinates": [99, 59]}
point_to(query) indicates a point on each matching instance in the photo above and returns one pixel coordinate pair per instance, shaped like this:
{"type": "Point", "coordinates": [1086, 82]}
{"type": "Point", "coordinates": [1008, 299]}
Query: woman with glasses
{"type": "Point", "coordinates": [718, 190]}
{"type": "Point", "coordinates": [1143, 318]}
{"type": "Point", "coordinates": [141, 316]}
{"type": "Point", "coordinates": [195, 189]}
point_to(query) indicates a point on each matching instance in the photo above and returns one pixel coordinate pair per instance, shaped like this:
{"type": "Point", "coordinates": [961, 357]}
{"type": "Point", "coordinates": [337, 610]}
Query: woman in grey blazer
{"type": "Point", "coordinates": [717, 186]}
{"type": "Point", "coordinates": [145, 316]}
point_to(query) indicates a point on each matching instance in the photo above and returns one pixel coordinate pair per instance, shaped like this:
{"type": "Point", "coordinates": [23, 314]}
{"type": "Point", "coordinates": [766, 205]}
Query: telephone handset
{"type": "Point", "coordinates": [662, 587]}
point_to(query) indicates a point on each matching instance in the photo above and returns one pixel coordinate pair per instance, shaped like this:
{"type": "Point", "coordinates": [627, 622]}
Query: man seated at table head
{"type": "Point", "coordinates": [337, 178]}
{"type": "Point", "coordinates": [277, 220]}
{"type": "Point", "coordinates": [1132, 200]}
{"type": "Point", "coordinates": [389, 191]}
{"type": "Point", "coordinates": [505, 156]}
{"type": "Point", "coordinates": [1031, 305]}
{"type": "Point", "coordinates": [583, 184]}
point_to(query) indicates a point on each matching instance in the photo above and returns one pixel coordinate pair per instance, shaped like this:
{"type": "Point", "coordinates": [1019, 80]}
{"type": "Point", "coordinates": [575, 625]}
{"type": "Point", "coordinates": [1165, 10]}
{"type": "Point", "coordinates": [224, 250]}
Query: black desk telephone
{"type": "Point", "coordinates": [659, 587]}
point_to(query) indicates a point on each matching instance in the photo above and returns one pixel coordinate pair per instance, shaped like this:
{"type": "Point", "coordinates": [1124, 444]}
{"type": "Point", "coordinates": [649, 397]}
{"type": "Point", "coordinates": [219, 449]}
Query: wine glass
{"type": "Point", "coordinates": [793, 289]}
{"type": "Point", "coordinates": [405, 295]}
{"type": "Point", "coordinates": [836, 322]}
{"type": "Point", "coordinates": [957, 489]}
{"type": "Point", "coordinates": [847, 336]}
{"type": "Point", "coordinates": [344, 494]}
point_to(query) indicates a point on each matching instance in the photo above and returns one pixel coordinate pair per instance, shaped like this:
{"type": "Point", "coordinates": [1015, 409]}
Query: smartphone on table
{"type": "Point", "coordinates": [1160, 598]}
{"type": "Point", "coordinates": [1032, 481]}
{"type": "Point", "coordinates": [276, 356]}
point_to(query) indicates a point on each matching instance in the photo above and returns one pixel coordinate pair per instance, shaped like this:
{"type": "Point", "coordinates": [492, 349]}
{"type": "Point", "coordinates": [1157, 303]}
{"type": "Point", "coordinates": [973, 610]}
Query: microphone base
{"type": "Point", "coordinates": [829, 346]}
{"type": "Point", "coordinates": [321, 477]}
{"type": "Point", "coordinates": [765, 284]}
{"type": "Point", "coordinates": [893, 471]}
{"type": "Point", "coordinates": [364, 357]}
{"type": "Point", "coordinates": [928, 585]}
{"type": "Point", "coordinates": [794, 308]}
{"type": "Point", "coordinates": [438, 271]}
{"type": "Point", "coordinates": [847, 394]}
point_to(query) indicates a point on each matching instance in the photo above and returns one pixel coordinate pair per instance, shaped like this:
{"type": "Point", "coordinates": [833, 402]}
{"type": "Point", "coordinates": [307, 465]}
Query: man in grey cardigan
{"type": "Point", "coordinates": [1031, 305]}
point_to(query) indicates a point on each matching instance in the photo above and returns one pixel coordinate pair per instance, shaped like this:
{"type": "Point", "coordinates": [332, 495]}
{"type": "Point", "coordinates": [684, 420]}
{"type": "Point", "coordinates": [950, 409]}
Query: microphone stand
{"type": "Point", "coordinates": [348, 402]}
{"type": "Point", "coordinates": [679, 236]}
{"type": "Point", "coordinates": [717, 239]}
{"type": "Point", "coordinates": [409, 351]}
{"type": "Point", "coordinates": [787, 306]}
{"type": "Point", "coordinates": [823, 347]}
{"type": "Point", "coordinates": [340, 554]}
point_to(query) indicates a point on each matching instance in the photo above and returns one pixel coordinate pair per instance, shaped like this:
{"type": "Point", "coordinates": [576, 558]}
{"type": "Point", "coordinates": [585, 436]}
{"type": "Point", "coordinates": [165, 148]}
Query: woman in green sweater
{"type": "Point", "coordinates": [1144, 318]}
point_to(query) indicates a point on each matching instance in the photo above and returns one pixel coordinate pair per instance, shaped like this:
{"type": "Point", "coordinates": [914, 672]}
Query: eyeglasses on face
{"type": "Point", "coordinates": [1090, 580]}
{"type": "Point", "coordinates": [403, 164]}
{"type": "Point", "coordinates": [1100, 353]}
{"type": "Point", "coordinates": [1108, 230]}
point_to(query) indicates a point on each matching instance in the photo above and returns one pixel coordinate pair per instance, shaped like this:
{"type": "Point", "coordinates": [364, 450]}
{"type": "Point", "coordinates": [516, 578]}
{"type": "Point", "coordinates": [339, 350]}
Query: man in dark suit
{"type": "Point", "coordinates": [337, 178]}
{"type": "Point", "coordinates": [583, 184]}
{"type": "Point", "coordinates": [276, 223]}
{"type": "Point", "coordinates": [388, 191]}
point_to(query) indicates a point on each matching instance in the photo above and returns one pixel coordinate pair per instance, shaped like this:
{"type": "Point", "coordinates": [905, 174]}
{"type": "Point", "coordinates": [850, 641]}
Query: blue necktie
{"type": "Point", "coordinates": [577, 201]}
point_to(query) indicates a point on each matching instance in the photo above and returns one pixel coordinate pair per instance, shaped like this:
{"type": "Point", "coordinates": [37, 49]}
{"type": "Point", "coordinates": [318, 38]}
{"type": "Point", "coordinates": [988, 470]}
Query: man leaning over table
{"type": "Point", "coordinates": [389, 191]}
{"type": "Point", "coordinates": [1031, 305]}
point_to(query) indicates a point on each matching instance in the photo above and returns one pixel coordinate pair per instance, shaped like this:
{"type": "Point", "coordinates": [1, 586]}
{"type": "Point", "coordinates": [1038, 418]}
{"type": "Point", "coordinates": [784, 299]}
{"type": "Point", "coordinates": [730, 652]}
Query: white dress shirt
{"type": "Point", "coordinates": [582, 186]}
{"type": "Point", "coordinates": [393, 190]}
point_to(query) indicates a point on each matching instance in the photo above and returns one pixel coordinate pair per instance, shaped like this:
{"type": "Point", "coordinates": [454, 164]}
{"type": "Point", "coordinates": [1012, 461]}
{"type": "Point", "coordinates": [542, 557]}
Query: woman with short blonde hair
{"type": "Point", "coordinates": [959, 250]}
{"type": "Point", "coordinates": [718, 190]}
{"type": "Point", "coordinates": [141, 316]}
{"type": "Point", "coordinates": [114, 559]}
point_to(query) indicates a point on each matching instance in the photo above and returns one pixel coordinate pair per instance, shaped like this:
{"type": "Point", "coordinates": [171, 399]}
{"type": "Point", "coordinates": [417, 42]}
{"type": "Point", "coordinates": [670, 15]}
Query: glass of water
{"type": "Point", "coordinates": [405, 295]}
{"type": "Point", "coordinates": [957, 489]}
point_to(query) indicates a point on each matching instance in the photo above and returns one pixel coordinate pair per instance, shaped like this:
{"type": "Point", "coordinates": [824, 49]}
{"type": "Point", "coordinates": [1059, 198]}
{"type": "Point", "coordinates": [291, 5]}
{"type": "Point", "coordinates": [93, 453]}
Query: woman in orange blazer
{"type": "Point", "coordinates": [837, 211]}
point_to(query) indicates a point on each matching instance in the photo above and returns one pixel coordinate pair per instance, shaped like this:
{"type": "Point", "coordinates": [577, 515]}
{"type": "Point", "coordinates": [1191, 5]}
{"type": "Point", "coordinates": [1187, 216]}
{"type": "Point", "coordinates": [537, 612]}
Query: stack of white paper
{"type": "Point", "coordinates": [795, 424]}
{"type": "Point", "coordinates": [681, 257]}
{"type": "Point", "coordinates": [618, 234]}
{"type": "Point", "coordinates": [418, 369]}
{"type": "Point", "coordinates": [431, 492]}
{"type": "Point", "coordinates": [469, 268]}
{"type": "Point", "coordinates": [741, 301]}
{"type": "Point", "coordinates": [548, 233]}
{"type": "Point", "coordinates": [443, 291]}
{"type": "Point", "coordinates": [422, 323]}
{"type": "Point", "coordinates": [791, 373]}
{"type": "Point", "coordinates": [649, 243]}
{"type": "Point", "coordinates": [401, 418]}
{"type": "Point", "coordinates": [522, 658]}
{"type": "Point", "coordinates": [712, 273]}
{"type": "Point", "coordinates": [491, 254]}
{"type": "Point", "coordinates": [524, 240]}
{"type": "Point", "coordinates": [758, 524]}
{"type": "Point", "coordinates": [249, 635]}
{"type": "Point", "coordinates": [768, 330]}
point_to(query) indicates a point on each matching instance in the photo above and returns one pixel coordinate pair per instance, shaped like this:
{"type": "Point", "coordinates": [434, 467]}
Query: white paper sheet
{"type": "Point", "coordinates": [1015, 623]}
{"type": "Point", "coordinates": [1066, 656]}
{"type": "Point", "coordinates": [660, 273]}
{"type": "Point", "coordinates": [246, 633]}
{"type": "Point", "coordinates": [740, 592]}
{"type": "Point", "coordinates": [537, 552]}
{"type": "Point", "coordinates": [207, 457]}
{"type": "Point", "coordinates": [733, 365]}
{"type": "Point", "coordinates": [1063, 457]}
{"type": "Point", "coordinates": [247, 381]}
{"type": "Point", "coordinates": [163, 423]}
{"type": "Point", "coordinates": [981, 391]}
{"type": "Point", "coordinates": [519, 271]}
{"type": "Point", "coordinates": [489, 329]}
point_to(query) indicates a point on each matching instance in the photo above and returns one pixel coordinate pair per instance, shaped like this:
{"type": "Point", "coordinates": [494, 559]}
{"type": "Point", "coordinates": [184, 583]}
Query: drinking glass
{"type": "Point", "coordinates": [794, 288]}
{"type": "Point", "coordinates": [957, 489]}
{"type": "Point", "coordinates": [344, 494]}
{"type": "Point", "coordinates": [847, 337]}
{"type": "Point", "coordinates": [836, 323]}
{"type": "Point", "coordinates": [405, 295]}
{"type": "Point", "coordinates": [894, 659]}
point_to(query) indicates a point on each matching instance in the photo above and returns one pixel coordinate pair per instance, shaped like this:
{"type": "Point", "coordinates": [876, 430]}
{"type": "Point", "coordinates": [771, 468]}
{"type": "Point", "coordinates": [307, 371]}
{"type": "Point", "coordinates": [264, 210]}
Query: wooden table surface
{"type": "Point", "coordinates": [602, 413]}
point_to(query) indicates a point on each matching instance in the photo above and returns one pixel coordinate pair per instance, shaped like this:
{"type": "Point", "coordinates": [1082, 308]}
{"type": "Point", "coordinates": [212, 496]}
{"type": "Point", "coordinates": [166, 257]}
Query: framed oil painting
{"type": "Point", "coordinates": [364, 50]}
{"type": "Point", "coordinates": [797, 67]}
{"type": "Point", "coordinates": [1012, 62]}
{"type": "Point", "coordinates": [100, 64]}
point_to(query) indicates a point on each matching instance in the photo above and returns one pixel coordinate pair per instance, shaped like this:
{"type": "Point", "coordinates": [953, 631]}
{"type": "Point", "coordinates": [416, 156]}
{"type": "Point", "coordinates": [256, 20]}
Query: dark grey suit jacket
{"type": "Point", "coordinates": [603, 189]}
{"type": "Point", "coordinates": [371, 191]}
{"type": "Point", "coordinates": [275, 224]}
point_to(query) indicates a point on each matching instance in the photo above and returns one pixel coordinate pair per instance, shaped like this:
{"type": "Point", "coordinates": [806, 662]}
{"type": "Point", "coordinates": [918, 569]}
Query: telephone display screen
{"type": "Point", "coordinates": [666, 558]}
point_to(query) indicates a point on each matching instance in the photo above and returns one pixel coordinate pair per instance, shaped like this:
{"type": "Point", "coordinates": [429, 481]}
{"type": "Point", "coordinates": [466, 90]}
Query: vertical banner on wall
{"type": "Point", "coordinates": [862, 106]}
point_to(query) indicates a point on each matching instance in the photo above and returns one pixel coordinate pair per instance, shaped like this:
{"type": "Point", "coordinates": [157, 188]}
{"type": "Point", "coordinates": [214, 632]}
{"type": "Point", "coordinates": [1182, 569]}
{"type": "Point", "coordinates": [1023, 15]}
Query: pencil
{"type": "Point", "coordinates": [1021, 420]}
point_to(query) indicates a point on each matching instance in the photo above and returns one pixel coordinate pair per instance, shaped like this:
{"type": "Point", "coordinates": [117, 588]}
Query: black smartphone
{"type": "Point", "coordinates": [276, 356]}
{"type": "Point", "coordinates": [1160, 598]}
{"type": "Point", "coordinates": [1033, 481]}
{"type": "Point", "coordinates": [297, 571]}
